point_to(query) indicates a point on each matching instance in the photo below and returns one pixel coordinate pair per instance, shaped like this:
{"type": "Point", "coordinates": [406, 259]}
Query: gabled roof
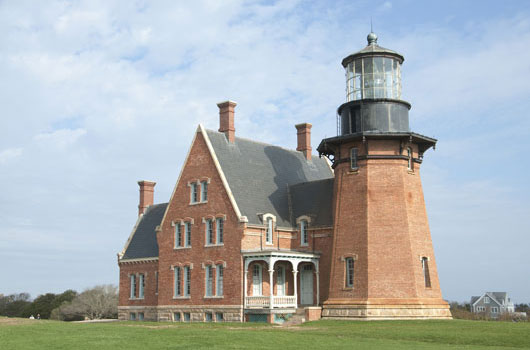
{"type": "Point", "coordinates": [259, 175]}
{"type": "Point", "coordinates": [143, 243]}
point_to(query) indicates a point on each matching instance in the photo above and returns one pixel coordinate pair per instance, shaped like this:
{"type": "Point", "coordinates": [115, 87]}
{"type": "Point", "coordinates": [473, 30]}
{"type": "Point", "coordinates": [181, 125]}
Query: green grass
{"type": "Point", "coordinates": [456, 334]}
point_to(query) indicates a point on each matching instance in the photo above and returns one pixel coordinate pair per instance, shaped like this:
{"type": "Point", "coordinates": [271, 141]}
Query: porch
{"type": "Point", "coordinates": [284, 288]}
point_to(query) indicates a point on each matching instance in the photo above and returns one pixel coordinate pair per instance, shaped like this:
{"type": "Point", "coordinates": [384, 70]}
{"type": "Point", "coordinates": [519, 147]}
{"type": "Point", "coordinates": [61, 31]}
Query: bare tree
{"type": "Point", "coordinates": [95, 303]}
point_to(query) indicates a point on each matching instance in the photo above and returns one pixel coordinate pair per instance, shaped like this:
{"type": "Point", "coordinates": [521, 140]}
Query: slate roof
{"type": "Point", "coordinates": [313, 199]}
{"type": "Point", "coordinates": [143, 243]}
{"type": "Point", "coordinates": [259, 176]}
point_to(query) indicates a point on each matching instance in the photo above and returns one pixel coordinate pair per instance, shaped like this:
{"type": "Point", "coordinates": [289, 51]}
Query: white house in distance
{"type": "Point", "coordinates": [492, 303]}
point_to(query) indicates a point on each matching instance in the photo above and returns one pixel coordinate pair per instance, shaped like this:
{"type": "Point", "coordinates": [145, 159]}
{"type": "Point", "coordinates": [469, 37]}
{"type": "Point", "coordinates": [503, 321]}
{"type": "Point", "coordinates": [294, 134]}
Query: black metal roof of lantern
{"type": "Point", "coordinates": [373, 98]}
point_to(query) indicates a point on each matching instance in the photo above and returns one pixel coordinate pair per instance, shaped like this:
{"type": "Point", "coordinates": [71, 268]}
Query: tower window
{"type": "Point", "coordinates": [353, 158]}
{"type": "Point", "coordinates": [409, 158]}
{"type": "Point", "coordinates": [425, 268]}
{"type": "Point", "coordinates": [349, 272]}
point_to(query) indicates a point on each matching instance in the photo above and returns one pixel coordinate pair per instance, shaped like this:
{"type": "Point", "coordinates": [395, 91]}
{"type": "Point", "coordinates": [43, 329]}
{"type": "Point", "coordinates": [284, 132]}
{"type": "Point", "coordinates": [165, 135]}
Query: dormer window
{"type": "Point", "coordinates": [268, 235]}
{"type": "Point", "coordinates": [303, 233]}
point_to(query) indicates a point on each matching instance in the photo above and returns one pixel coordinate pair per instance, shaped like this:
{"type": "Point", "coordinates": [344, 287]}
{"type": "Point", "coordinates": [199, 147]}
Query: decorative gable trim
{"type": "Point", "coordinates": [221, 174]}
{"type": "Point", "coordinates": [180, 176]}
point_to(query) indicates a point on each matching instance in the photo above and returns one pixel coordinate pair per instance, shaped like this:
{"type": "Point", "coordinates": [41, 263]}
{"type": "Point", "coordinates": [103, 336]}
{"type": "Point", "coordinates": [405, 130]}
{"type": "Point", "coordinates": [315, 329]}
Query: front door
{"type": "Point", "coordinates": [306, 285]}
{"type": "Point", "coordinates": [257, 280]}
{"type": "Point", "coordinates": [280, 281]}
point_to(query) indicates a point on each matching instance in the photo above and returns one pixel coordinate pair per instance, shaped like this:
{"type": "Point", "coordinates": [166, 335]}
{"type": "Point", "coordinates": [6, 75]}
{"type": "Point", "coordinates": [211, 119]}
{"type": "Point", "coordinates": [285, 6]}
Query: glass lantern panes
{"type": "Point", "coordinates": [373, 77]}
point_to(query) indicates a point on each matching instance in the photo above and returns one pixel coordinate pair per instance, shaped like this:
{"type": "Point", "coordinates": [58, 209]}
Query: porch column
{"type": "Point", "coordinates": [295, 272]}
{"type": "Point", "coordinates": [271, 287]}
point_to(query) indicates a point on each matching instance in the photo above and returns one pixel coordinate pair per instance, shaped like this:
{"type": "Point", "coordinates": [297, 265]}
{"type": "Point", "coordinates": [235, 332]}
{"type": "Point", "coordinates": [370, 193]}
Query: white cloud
{"type": "Point", "coordinates": [10, 153]}
{"type": "Point", "coordinates": [60, 138]}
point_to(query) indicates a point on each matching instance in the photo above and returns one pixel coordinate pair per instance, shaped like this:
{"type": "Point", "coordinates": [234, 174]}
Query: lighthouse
{"type": "Point", "coordinates": [382, 258]}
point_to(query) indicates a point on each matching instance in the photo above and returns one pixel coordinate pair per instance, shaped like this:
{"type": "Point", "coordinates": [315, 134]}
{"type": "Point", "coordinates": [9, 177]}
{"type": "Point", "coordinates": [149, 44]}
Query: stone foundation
{"type": "Point", "coordinates": [379, 310]}
{"type": "Point", "coordinates": [150, 312]}
{"type": "Point", "coordinates": [198, 313]}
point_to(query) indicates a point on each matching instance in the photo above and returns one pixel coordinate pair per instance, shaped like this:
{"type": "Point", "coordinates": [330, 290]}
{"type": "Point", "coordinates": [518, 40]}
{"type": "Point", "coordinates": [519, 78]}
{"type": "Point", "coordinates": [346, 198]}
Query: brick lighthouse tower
{"type": "Point", "coordinates": [383, 264]}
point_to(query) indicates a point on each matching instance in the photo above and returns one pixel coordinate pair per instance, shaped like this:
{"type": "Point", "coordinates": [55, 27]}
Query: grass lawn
{"type": "Point", "coordinates": [456, 334]}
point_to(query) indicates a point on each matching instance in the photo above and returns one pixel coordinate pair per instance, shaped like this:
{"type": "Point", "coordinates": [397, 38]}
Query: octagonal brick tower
{"type": "Point", "coordinates": [383, 264]}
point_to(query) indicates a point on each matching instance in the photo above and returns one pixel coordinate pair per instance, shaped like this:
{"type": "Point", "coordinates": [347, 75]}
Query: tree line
{"type": "Point", "coordinates": [93, 303]}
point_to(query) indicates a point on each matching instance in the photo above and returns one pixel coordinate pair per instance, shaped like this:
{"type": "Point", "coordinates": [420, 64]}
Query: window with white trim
{"type": "Point", "coordinates": [219, 271]}
{"type": "Point", "coordinates": [141, 285]}
{"type": "Point", "coordinates": [194, 193]}
{"type": "Point", "coordinates": [425, 269]}
{"type": "Point", "coordinates": [209, 232]}
{"type": "Point", "coordinates": [257, 280]}
{"type": "Point", "coordinates": [187, 232]}
{"type": "Point", "coordinates": [187, 281]}
{"type": "Point", "coordinates": [133, 286]}
{"type": "Point", "coordinates": [209, 281]}
{"type": "Point", "coordinates": [269, 231]}
{"type": "Point", "coordinates": [494, 309]}
{"type": "Point", "coordinates": [354, 152]}
{"type": "Point", "coordinates": [178, 235]}
{"type": "Point", "coordinates": [219, 227]}
{"type": "Point", "coordinates": [486, 300]}
{"type": "Point", "coordinates": [303, 232]}
{"type": "Point", "coordinates": [177, 282]}
{"type": "Point", "coordinates": [204, 191]}
{"type": "Point", "coordinates": [349, 272]}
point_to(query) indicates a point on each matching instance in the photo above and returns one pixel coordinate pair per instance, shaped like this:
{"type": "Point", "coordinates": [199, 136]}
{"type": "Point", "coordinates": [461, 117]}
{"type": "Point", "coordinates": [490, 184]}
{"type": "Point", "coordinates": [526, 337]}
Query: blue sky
{"type": "Point", "coordinates": [96, 95]}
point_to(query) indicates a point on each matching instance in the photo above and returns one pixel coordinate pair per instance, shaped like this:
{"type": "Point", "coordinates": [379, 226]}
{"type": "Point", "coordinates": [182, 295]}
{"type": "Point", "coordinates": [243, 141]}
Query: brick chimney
{"type": "Point", "coordinates": [147, 193]}
{"type": "Point", "coordinates": [304, 139]}
{"type": "Point", "coordinates": [226, 119]}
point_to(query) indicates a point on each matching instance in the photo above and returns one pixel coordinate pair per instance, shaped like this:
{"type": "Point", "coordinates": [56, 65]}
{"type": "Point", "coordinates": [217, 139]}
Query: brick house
{"type": "Point", "coordinates": [254, 232]}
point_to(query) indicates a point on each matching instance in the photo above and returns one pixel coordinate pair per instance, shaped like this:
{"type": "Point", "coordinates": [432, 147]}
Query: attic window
{"type": "Point", "coordinates": [486, 300]}
{"type": "Point", "coordinates": [204, 191]}
{"type": "Point", "coordinates": [194, 195]}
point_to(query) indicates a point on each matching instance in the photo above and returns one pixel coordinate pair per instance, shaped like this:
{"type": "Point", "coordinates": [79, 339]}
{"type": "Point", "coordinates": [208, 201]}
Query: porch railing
{"type": "Point", "coordinates": [264, 301]}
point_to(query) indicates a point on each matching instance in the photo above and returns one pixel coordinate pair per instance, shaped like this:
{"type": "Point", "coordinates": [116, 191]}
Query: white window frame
{"type": "Point", "coordinates": [494, 310]}
{"type": "Point", "coordinates": [132, 294]}
{"type": "Point", "coordinates": [178, 235]}
{"type": "Point", "coordinates": [349, 272]}
{"type": "Point", "coordinates": [269, 221]}
{"type": "Point", "coordinates": [208, 230]}
{"type": "Point", "coordinates": [486, 300]}
{"type": "Point", "coordinates": [219, 275]}
{"type": "Point", "coordinates": [141, 286]}
{"type": "Point", "coordinates": [304, 234]}
{"type": "Point", "coordinates": [194, 192]}
{"type": "Point", "coordinates": [177, 282]}
{"type": "Point", "coordinates": [187, 234]}
{"type": "Point", "coordinates": [208, 274]}
{"type": "Point", "coordinates": [204, 191]}
{"type": "Point", "coordinates": [219, 230]}
{"type": "Point", "coordinates": [187, 281]}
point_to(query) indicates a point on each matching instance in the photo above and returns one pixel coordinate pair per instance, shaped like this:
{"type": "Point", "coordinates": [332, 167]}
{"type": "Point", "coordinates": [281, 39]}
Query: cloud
{"type": "Point", "coordinates": [60, 138]}
{"type": "Point", "coordinates": [10, 153]}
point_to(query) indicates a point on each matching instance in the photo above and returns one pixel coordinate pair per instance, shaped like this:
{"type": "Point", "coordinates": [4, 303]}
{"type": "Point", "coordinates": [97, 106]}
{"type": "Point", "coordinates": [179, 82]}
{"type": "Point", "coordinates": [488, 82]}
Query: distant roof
{"type": "Point", "coordinates": [143, 243]}
{"type": "Point", "coordinates": [259, 176]}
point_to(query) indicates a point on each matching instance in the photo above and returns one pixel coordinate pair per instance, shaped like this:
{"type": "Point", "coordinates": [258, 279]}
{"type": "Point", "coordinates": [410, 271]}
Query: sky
{"type": "Point", "coordinates": [96, 95]}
